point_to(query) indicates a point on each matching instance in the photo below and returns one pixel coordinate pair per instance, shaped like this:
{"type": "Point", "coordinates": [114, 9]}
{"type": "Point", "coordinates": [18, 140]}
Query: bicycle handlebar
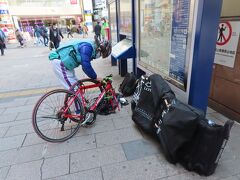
{"type": "Point", "coordinates": [107, 79]}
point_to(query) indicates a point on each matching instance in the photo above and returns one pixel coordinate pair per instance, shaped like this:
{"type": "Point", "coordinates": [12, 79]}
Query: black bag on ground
{"type": "Point", "coordinates": [204, 151]}
{"type": "Point", "coordinates": [176, 127]}
{"type": "Point", "coordinates": [128, 85]}
{"type": "Point", "coordinates": [148, 91]}
{"type": "Point", "coordinates": [142, 105]}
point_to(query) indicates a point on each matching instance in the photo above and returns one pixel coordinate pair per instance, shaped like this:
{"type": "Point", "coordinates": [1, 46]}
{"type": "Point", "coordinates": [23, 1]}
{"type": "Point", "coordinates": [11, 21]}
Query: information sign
{"type": "Point", "coordinates": [121, 47]}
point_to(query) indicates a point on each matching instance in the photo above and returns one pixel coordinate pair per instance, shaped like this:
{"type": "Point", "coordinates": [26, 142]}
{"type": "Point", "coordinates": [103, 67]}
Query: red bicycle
{"type": "Point", "coordinates": [58, 114]}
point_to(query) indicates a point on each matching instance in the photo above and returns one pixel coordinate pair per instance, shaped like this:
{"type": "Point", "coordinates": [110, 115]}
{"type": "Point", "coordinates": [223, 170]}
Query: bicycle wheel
{"type": "Point", "coordinates": [90, 95]}
{"type": "Point", "coordinates": [49, 120]}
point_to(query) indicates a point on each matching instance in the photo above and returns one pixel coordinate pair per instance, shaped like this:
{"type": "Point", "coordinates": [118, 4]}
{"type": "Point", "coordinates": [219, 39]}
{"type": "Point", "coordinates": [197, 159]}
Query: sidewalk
{"type": "Point", "coordinates": [114, 148]}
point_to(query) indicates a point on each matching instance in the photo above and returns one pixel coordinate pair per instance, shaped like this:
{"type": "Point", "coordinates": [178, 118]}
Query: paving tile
{"type": "Point", "coordinates": [26, 171]}
{"type": "Point", "coordinates": [93, 174]}
{"type": "Point", "coordinates": [31, 153]}
{"type": "Point", "coordinates": [231, 151]}
{"type": "Point", "coordinates": [20, 129]}
{"type": "Point", "coordinates": [148, 168]}
{"type": "Point", "coordinates": [32, 100]}
{"type": "Point", "coordinates": [96, 158]}
{"type": "Point", "coordinates": [11, 142]}
{"type": "Point", "coordinates": [227, 168]}
{"type": "Point", "coordinates": [24, 115]}
{"type": "Point", "coordinates": [13, 103]}
{"type": "Point", "coordinates": [27, 108]}
{"type": "Point", "coordinates": [188, 176]}
{"type": "Point", "coordinates": [14, 123]}
{"type": "Point", "coordinates": [232, 178]}
{"type": "Point", "coordinates": [33, 139]}
{"type": "Point", "coordinates": [8, 158]}
{"type": "Point", "coordinates": [139, 149]}
{"type": "Point", "coordinates": [57, 166]}
{"type": "Point", "coordinates": [8, 117]}
{"type": "Point", "coordinates": [235, 131]}
{"type": "Point", "coordinates": [117, 136]}
{"type": "Point", "coordinates": [76, 144]}
{"type": "Point", "coordinates": [3, 131]}
{"type": "Point", "coordinates": [123, 122]}
{"type": "Point", "coordinates": [4, 172]}
{"type": "Point", "coordinates": [98, 127]}
{"type": "Point", "coordinates": [2, 110]}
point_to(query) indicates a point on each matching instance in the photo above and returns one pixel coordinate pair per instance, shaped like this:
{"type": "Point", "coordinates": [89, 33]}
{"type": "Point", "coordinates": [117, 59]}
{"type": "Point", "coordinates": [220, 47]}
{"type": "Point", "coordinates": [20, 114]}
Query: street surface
{"type": "Point", "coordinates": [112, 149]}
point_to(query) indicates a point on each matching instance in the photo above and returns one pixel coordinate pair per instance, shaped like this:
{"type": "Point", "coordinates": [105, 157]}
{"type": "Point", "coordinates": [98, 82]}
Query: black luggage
{"type": "Point", "coordinates": [142, 105]}
{"type": "Point", "coordinates": [148, 95]}
{"type": "Point", "coordinates": [204, 151]}
{"type": "Point", "coordinates": [176, 127]}
{"type": "Point", "coordinates": [128, 85]}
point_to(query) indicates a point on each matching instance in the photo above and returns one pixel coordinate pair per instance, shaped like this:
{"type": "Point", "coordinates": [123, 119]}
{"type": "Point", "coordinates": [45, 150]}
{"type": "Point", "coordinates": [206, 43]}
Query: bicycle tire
{"type": "Point", "coordinates": [44, 105]}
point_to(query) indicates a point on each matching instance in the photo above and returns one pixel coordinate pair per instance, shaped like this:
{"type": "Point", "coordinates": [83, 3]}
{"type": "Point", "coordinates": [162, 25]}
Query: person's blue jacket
{"type": "Point", "coordinates": [85, 53]}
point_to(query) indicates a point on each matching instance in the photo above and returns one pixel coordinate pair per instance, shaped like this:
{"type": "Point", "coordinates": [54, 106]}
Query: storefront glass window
{"type": "Point", "coordinates": [164, 28]}
{"type": "Point", "coordinates": [126, 17]}
{"type": "Point", "coordinates": [113, 23]}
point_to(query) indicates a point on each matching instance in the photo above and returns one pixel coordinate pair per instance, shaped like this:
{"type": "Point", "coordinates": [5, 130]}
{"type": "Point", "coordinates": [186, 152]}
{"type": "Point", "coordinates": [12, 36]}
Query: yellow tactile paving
{"type": "Point", "coordinates": [26, 92]}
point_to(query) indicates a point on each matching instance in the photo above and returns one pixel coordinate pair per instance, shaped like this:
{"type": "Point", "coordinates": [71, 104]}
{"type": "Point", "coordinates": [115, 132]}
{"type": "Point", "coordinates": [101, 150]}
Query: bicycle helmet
{"type": "Point", "coordinates": [105, 48]}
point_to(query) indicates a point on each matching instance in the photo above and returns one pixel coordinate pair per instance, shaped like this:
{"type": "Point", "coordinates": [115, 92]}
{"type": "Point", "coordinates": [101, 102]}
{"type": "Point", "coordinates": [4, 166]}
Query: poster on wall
{"type": "Point", "coordinates": [227, 42]}
{"type": "Point", "coordinates": [6, 23]}
{"type": "Point", "coordinates": [180, 24]}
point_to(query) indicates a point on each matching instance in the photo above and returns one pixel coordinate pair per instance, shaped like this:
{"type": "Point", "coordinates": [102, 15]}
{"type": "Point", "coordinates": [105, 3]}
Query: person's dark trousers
{"type": "Point", "coordinates": [56, 44]}
{"type": "Point", "coordinates": [2, 49]}
{"type": "Point", "coordinates": [98, 36]}
{"type": "Point", "coordinates": [21, 42]}
{"type": "Point", "coordinates": [45, 40]}
{"type": "Point", "coordinates": [69, 33]}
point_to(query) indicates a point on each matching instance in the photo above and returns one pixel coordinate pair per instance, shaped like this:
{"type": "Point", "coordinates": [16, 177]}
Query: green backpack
{"type": "Point", "coordinates": [68, 54]}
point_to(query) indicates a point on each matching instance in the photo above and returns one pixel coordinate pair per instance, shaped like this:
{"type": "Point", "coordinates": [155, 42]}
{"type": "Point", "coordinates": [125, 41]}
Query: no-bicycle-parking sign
{"type": "Point", "coordinates": [227, 42]}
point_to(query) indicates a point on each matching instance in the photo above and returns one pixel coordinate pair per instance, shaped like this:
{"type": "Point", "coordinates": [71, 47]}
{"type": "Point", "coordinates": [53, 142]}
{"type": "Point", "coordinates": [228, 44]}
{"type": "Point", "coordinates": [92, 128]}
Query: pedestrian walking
{"type": "Point", "coordinates": [2, 41]}
{"type": "Point", "coordinates": [19, 37]}
{"type": "Point", "coordinates": [69, 32]}
{"type": "Point", "coordinates": [44, 33]}
{"type": "Point", "coordinates": [38, 34]}
{"type": "Point", "coordinates": [97, 30]}
{"type": "Point", "coordinates": [104, 26]}
{"type": "Point", "coordinates": [55, 35]}
{"type": "Point", "coordinates": [85, 30]}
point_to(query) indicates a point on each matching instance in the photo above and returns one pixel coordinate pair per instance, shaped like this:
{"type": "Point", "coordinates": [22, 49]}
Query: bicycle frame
{"type": "Point", "coordinates": [79, 93]}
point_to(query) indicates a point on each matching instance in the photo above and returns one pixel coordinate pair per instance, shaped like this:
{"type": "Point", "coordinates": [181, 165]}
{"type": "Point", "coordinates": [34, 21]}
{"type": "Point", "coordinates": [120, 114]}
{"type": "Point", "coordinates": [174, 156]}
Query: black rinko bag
{"type": "Point", "coordinates": [147, 98]}
{"type": "Point", "coordinates": [176, 127]}
{"type": "Point", "coordinates": [128, 85]}
{"type": "Point", "coordinates": [142, 105]}
{"type": "Point", "coordinates": [202, 154]}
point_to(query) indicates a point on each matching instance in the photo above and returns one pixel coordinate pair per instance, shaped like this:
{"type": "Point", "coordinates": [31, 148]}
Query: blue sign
{"type": "Point", "coordinates": [88, 23]}
{"type": "Point", "coordinates": [180, 23]}
{"type": "Point", "coordinates": [4, 12]}
{"type": "Point", "coordinates": [87, 11]}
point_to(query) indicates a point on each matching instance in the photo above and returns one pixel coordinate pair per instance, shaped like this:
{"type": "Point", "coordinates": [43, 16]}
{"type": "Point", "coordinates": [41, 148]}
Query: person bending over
{"type": "Point", "coordinates": [77, 53]}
